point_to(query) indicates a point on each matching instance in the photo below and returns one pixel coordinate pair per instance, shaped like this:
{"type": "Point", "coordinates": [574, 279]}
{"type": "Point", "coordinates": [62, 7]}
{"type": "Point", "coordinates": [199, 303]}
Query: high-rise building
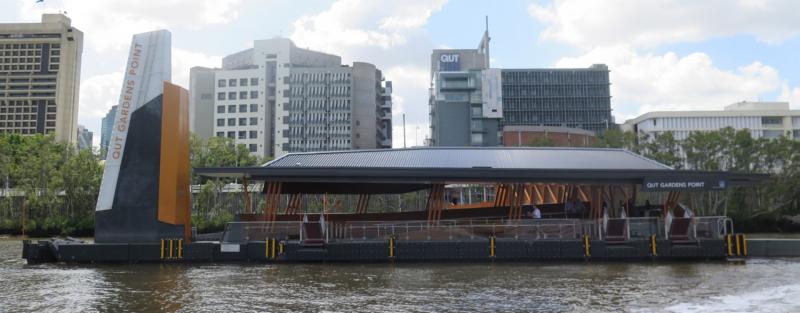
{"type": "Point", "coordinates": [84, 137]}
{"type": "Point", "coordinates": [201, 102]}
{"type": "Point", "coordinates": [106, 128]}
{"type": "Point", "coordinates": [277, 98]}
{"type": "Point", "coordinates": [762, 119]}
{"type": "Point", "coordinates": [40, 77]}
{"type": "Point", "coordinates": [470, 102]}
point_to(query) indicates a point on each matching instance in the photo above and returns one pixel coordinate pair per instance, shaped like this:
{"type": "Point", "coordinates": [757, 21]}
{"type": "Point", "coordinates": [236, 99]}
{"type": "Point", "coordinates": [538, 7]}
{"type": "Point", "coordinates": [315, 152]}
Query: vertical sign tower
{"type": "Point", "coordinates": [144, 195]}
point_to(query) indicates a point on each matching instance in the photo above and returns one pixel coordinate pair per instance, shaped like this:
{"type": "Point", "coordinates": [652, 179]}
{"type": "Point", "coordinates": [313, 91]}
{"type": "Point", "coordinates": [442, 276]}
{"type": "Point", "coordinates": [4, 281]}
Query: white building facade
{"type": "Point", "coordinates": [264, 97]}
{"type": "Point", "coordinates": [762, 119]}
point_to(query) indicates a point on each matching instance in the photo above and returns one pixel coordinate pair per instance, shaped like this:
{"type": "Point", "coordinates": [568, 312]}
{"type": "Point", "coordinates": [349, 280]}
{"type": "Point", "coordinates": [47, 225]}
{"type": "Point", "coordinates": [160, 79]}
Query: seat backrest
{"type": "Point", "coordinates": [679, 229]}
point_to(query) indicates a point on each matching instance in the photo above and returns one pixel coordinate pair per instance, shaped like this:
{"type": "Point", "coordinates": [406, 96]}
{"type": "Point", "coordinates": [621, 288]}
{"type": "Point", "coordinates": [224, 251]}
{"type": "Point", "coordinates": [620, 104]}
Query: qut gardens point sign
{"type": "Point", "coordinates": [678, 184]}
{"type": "Point", "coordinates": [450, 62]}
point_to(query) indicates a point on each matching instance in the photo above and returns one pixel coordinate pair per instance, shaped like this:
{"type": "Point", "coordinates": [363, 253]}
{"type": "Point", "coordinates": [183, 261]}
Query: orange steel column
{"type": "Point", "coordinates": [173, 184]}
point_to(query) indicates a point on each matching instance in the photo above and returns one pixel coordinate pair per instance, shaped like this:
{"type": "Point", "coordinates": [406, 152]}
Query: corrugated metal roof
{"type": "Point", "coordinates": [460, 158]}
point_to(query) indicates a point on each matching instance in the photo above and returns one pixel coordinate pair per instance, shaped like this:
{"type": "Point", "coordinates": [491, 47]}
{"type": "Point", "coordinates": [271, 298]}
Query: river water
{"type": "Point", "coordinates": [760, 285]}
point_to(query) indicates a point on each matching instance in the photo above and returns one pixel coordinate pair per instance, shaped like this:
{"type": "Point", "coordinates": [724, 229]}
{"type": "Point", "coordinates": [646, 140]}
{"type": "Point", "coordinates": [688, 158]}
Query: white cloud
{"type": "Point", "coordinates": [670, 82]}
{"type": "Point", "coordinates": [404, 80]}
{"type": "Point", "coordinates": [109, 25]}
{"type": "Point", "coordinates": [589, 24]}
{"type": "Point", "coordinates": [349, 23]}
{"type": "Point", "coordinates": [790, 94]}
{"type": "Point", "coordinates": [183, 60]}
{"type": "Point", "coordinates": [99, 93]}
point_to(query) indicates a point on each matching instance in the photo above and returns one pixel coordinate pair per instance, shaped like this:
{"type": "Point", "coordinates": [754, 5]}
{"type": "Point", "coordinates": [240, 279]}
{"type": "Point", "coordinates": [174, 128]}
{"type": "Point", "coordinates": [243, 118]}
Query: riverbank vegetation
{"type": "Point", "coordinates": [53, 187]}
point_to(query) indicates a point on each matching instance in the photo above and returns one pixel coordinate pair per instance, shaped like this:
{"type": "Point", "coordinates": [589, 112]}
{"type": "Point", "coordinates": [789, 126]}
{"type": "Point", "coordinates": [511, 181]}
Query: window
{"type": "Point", "coordinates": [221, 83]}
{"type": "Point", "coordinates": [254, 95]}
{"type": "Point", "coordinates": [231, 122]}
{"type": "Point", "coordinates": [231, 134]}
{"type": "Point", "coordinates": [221, 96]}
{"type": "Point", "coordinates": [242, 95]}
{"type": "Point", "coordinates": [232, 95]}
{"type": "Point", "coordinates": [253, 121]}
{"type": "Point", "coordinates": [253, 134]}
{"type": "Point", "coordinates": [253, 147]}
{"type": "Point", "coordinates": [220, 134]}
{"type": "Point", "coordinates": [231, 108]}
{"type": "Point", "coordinates": [242, 121]}
{"type": "Point", "coordinates": [771, 120]}
{"type": "Point", "coordinates": [254, 82]}
{"type": "Point", "coordinates": [242, 108]}
{"type": "Point", "coordinates": [220, 122]}
{"type": "Point", "coordinates": [221, 109]}
{"type": "Point", "coordinates": [242, 81]}
{"type": "Point", "coordinates": [272, 56]}
{"type": "Point", "coordinates": [232, 82]}
{"type": "Point", "coordinates": [242, 134]}
{"type": "Point", "coordinates": [253, 107]}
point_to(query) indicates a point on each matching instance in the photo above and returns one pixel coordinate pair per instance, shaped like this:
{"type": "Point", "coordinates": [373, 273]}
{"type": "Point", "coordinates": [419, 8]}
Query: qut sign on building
{"type": "Point", "coordinates": [450, 62]}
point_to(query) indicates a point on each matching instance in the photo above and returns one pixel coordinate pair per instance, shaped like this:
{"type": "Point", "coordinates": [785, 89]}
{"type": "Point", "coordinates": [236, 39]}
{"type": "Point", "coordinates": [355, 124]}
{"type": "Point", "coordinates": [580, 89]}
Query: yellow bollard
{"type": "Point", "coordinates": [744, 245]}
{"type": "Point", "coordinates": [653, 247]}
{"type": "Point", "coordinates": [730, 244]}
{"type": "Point", "coordinates": [170, 248]}
{"type": "Point", "coordinates": [266, 248]}
{"type": "Point", "coordinates": [491, 246]}
{"type": "Point", "coordinates": [391, 247]}
{"type": "Point", "coordinates": [162, 249]}
{"type": "Point", "coordinates": [273, 247]}
{"type": "Point", "coordinates": [280, 248]}
{"type": "Point", "coordinates": [586, 246]}
{"type": "Point", "coordinates": [180, 248]}
{"type": "Point", "coordinates": [738, 246]}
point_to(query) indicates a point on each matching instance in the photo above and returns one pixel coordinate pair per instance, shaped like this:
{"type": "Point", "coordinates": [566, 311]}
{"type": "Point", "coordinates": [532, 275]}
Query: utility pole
{"type": "Point", "coordinates": [404, 130]}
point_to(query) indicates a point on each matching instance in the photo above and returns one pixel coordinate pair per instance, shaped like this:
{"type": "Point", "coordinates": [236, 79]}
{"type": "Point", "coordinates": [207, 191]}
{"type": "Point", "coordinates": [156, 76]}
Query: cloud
{"type": "Point", "coordinates": [792, 95]}
{"type": "Point", "coordinates": [590, 24]}
{"type": "Point", "coordinates": [109, 25]}
{"type": "Point", "coordinates": [405, 79]}
{"type": "Point", "coordinates": [667, 82]}
{"type": "Point", "coordinates": [98, 93]}
{"type": "Point", "coordinates": [183, 60]}
{"type": "Point", "coordinates": [349, 23]}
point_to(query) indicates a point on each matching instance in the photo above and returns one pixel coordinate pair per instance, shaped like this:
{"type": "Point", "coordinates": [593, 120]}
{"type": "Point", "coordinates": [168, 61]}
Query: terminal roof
{"type": "Point", "coordinates": [409, 169]}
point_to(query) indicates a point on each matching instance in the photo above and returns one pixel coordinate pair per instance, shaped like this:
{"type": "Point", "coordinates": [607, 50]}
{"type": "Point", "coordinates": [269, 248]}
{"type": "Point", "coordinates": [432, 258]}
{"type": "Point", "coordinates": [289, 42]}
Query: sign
{"type": "Point", "coordinates": [492, 93]}
{"type": "Point", "coordinates": [147, 68]}
{"type": "Point", "coordinates": [681, 184]}
{"type": "Point", "coordinates": [229, 247]}
{"type": "Point", "coordinates": [450, 62]}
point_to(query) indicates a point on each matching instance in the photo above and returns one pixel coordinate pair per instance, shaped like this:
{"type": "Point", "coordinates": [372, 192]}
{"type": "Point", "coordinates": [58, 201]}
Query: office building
{"type": "Point", "coordinates": [84, 138]}
{"type": "Point", "coordinates": [564, 97]}
{"type": "Point", "coordinates": [277, 98]}
{"type": "Point", "coordinates": [762, 119]}
{"type": "Point", "coordinates": [106, 127]}
{"type": "Point", "coordinates": [40, 77]}
{"type": "Point", "coordinates": [470, 102]}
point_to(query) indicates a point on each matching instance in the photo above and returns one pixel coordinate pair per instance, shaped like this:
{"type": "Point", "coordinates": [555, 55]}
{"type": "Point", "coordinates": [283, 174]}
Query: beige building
{"type": "Point", "coordinates": [40, 70]}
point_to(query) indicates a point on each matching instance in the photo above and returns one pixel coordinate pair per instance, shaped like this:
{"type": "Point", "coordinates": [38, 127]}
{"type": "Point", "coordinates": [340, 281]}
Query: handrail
{"type": "Point", "coordinates": [709, 227]}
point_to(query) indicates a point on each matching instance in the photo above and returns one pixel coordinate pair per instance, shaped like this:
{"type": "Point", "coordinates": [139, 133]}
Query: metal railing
{"type": "Point", "coordinates": [259, 231]}
{"type": "Point", "coordinates": [635, 228]}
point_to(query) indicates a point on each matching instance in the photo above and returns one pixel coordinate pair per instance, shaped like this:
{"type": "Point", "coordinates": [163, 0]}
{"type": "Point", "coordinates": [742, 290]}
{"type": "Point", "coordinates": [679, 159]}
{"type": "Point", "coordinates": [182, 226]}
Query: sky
{"type": "Point", "coordinates": [663, 54]}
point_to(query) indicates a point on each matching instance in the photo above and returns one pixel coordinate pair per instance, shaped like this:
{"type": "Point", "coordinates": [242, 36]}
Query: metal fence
{"type": "Point", "coordinates": [711, 227]}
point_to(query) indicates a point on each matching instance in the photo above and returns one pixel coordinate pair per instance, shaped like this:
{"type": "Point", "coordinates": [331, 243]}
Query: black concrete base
{"type": "Point", "coordinates": [371, 251]}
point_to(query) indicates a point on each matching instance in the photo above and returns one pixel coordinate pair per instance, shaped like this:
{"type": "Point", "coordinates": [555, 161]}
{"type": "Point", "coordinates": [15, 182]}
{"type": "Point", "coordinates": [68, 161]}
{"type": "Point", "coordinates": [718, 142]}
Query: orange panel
{"type": "Point", "coordinates": [173, 181]}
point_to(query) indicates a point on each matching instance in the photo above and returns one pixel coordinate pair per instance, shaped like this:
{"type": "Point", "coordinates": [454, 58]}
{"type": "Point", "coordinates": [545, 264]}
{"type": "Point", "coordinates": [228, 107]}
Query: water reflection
{"type": "Point", "coordinates": [567, 287]}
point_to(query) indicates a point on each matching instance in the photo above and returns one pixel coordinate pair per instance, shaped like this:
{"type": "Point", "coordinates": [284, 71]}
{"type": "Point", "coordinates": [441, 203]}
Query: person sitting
{"type": "Point", "coordinates": [537, 214]}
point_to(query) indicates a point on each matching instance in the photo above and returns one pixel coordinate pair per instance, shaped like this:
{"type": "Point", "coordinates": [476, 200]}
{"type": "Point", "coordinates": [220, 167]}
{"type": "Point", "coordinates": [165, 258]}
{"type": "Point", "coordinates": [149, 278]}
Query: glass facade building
{"type": "Point", "coordinates": [575, 98]}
